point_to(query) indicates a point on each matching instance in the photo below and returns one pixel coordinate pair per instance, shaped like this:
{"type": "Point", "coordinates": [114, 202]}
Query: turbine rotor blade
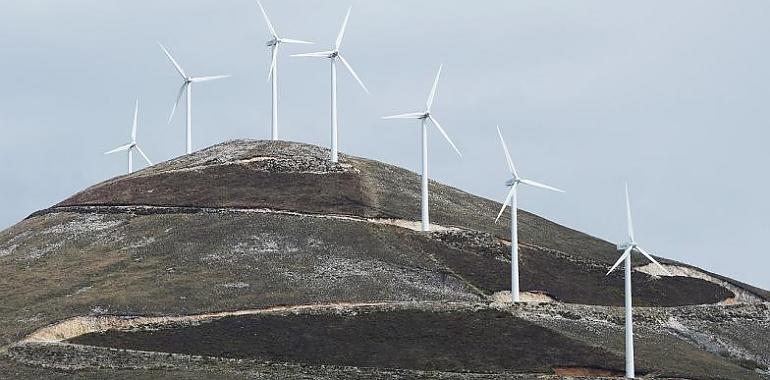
{"type": "Point", "coordinates": [136, 115]}
{"type": "Point", "coordinates": [438, 126]}
{"type": "Point", "coordinates": [508, 159]}
{"type": "Point", "coordinates": [173, 61]}
{"type": "Point", "coordinates": [350, 68]}
{"type": "Point", "coordinates": [649, 257]}
{"type": "Point", "coordinates": [629, 221]}
{"type": "Point", "coordinates": [338, 42]}
{"type": "Point", "coordinates": [411, 115]}
{"type": "Point", "coordinates": [206, 79]}
{"type": "Point", "coordinates": [267, 20]}
{"type": "Point", "coordinates": [120, 149]}
{"type": "Point", "coordinates": [507, 200]}
{"type": "Point", "coordinates": [143, 155]}
{"type": "Point", "coordinates": [620, 260]}
{"type": "Point", "coordinates": [178, 98]}
{"type": "Point", "coordinates": [540, 185]}
{"type": "Point", "coordinates": [293, 41]}
{"type": "Point", "coordinates": [432, 95]}
{"type": "Point", "coordinates": [320, 54]}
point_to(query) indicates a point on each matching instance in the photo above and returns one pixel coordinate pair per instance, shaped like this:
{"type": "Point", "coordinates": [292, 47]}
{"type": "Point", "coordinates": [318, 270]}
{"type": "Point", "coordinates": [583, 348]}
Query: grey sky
{"type": "Point", "coordinates": [668, 95]}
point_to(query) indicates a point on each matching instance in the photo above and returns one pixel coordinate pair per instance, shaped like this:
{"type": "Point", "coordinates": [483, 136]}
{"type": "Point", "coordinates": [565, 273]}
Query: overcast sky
{"type": "Point", "coordinates": [671, 96]}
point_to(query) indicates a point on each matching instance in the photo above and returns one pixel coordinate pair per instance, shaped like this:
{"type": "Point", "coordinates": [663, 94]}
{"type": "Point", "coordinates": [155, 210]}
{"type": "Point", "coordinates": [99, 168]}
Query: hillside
{"type": "Point", "coordinates": [273, 239]}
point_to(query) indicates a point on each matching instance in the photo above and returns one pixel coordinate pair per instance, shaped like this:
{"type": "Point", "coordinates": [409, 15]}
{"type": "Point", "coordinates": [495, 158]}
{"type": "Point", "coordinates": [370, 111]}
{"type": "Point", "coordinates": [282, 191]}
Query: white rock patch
{"type": "Point", "coordinates": [235, 285]}
{"type": "Point", "coordinates": [8, 250]}
{"type": "Point", "coordinates": [504, 297]}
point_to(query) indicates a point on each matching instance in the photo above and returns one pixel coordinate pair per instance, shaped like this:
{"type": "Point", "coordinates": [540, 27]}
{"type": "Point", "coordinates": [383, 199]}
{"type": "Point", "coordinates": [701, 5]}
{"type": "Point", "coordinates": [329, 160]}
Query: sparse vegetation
{"type": "Point", "coordinates": [252, 224]}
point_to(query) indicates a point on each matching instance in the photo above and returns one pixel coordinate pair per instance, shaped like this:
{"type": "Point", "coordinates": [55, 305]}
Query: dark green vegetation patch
{"type": "Point", "coordinates": [460, 341]}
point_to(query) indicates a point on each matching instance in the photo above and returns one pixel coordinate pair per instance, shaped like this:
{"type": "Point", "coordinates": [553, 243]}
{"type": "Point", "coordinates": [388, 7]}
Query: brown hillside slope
{"type": "Point", "coordinates": [254, 224]}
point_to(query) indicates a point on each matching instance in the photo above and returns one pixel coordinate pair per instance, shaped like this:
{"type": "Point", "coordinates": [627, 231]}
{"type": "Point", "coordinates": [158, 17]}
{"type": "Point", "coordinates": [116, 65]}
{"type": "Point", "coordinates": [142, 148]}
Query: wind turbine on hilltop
{"type": "Point", "coordinates": [512, 198]}
{"type": "Point", "coordinates": [424, 117]}
{"type": "Point", "coordinates": [132, 145]}
{"type": "Point", "coordinates": [274, 42]}
{"type": "Point", "coordinates": [186, 85]}
{"type": "Point", "coordinates": [333, 56]}
{"type": "Point", "coordinates": [627, 249]}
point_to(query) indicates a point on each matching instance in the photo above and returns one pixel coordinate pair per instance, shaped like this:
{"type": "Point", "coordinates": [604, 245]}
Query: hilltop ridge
{"type": "Point", "coordinates": [297, 177]}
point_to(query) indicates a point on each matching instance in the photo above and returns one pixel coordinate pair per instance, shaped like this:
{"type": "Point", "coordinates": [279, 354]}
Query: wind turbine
{"type": "Point", "coordinates": [512, 198]}
{"type": "Point", "coordinates": [186, 85]}
{"type": "Point", "coordinates": [274, 42]}
{"type": "Point", "coordinates": [424, 117]}
{"type": "Point", "coordinates": [333, 56]}
{"type": "Point", "coordinates": [627, 249]}
{"type": "Point", "coordinates": [132, 145]}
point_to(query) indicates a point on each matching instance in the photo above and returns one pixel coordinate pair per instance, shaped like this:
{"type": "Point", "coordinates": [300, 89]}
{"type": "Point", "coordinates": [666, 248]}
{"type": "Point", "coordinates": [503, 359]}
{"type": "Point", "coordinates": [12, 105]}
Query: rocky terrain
{"type": "Point", "coordinates": [263, 259]}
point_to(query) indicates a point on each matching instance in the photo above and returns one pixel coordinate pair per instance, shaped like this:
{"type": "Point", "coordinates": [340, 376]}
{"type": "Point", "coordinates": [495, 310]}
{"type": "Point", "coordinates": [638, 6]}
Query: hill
{"type": "Point", "coordinates": [306, 255]}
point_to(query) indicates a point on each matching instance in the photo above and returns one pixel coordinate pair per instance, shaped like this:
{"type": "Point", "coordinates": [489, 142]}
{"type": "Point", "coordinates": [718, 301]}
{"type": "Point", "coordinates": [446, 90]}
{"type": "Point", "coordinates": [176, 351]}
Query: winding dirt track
{"type": "Point", "coordinates": [77, 326]}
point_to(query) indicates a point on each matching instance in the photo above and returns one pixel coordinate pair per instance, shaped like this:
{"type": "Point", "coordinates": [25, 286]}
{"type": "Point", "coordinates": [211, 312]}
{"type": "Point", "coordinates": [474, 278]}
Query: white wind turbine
{"type": "Point", "coordinates": [424, 117]}
{"type": "Point", "coordinates": [274, 42]}
{"type": "Point", "coordinates": [186, 85]}
{"type": "Point", "coordinates": [627, 249]}
{"type": "Point", "coordinates": [512, 198]}
{"type": "Point", "coordinates": [132, 145]}
{"type": "Point", "coordinates": [333, 56]}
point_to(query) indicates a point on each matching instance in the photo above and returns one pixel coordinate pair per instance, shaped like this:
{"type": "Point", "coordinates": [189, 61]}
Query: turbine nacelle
{"type": "Point", "coordinates": [631, 245]}
{"type": "Point", "coordinates": [274, 38]}
{"type": "Point", "coordinates": [335, 53]}
{"type": "Point", "coordinates": [427, 116]}
{"type": "Point", "coordinates": [130, 147]}
{"type": "Point", "coordinates": [516, 179]}
{"type": "Point", "coordinates": [187, 81]}
{"type": "Point", "coordinates": [275, 41]}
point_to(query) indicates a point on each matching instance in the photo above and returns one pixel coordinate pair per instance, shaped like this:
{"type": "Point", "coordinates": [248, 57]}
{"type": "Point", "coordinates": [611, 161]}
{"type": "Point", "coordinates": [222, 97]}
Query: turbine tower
{"type": "Point", "coordinates": [273, 43]}
{"type": "Point", "coordinates": [512, 198]}
{"type": "Point", "coordinates": [424, 117]}
{"type": "Point", "coordinates": [627, 249]}
{"type": "Point", "coordinates": [132, 145]}
{"type": "Point", "coordinates": [186, 85]}
{"type": "Point", "coordinates": [333, 56]}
